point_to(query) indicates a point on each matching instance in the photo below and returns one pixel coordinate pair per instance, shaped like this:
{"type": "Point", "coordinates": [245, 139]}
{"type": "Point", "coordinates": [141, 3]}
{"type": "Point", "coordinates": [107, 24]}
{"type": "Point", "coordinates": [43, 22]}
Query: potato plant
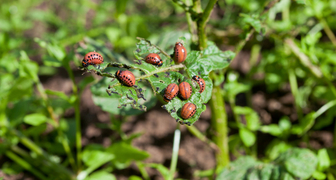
{"type": "Point", "coordinates": [199, 63]}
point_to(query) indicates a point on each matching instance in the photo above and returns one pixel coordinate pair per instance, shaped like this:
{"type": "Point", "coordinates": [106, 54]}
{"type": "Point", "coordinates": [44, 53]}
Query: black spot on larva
{"type": "Point", "coordinates": [140, 90]}
{"type": "Point", "coordinates": [164, 107]}
{"type": "Point", "coordinates": [188, 123]}
{"type": "Point", "coordinates": [157, 76]}
{"type": "Point", "coordinates": [177, 120]}
{"type": "Point", "coordinates": [157, 88]}
{"type": "Point", "coordinates": [134, 102]}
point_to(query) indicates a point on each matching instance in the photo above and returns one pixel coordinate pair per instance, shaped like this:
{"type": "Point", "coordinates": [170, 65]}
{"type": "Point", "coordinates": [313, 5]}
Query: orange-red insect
{"type": "Point", "coordinates": [92, 58]}
{"type": "Point", "coordinates": [200, 82]}
{"type": "Point", "coordinates": [126, 77]}
{"type": "Point", "coordinates": [154, 59]}
{"type": "Point", "coordinates": [171, 91]}
{"type": "Point", "coordinates": [188, 110]}
{"type": "Point", "coordinates": [185, 90]}
{"type": "Point", "coordinates": [180, 53]}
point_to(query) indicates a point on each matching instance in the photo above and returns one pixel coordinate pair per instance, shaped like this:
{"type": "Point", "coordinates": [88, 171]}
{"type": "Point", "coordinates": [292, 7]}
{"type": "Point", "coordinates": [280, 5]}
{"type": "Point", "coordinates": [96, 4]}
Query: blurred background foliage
{"type": "Point", "coordinates": [279, 90]}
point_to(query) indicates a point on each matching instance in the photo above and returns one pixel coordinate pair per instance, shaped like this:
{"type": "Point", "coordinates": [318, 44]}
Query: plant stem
{"type": "Point", "coordinates": [177, 138]}
{"type": "Point", "coordinates": [328, 31]}
{"type": "Point", "coordinates": [191, 23]}
{"type": "Point", "coordinates": [24, 164]}
{"type": "Point", "coordinates": [219, 123]}
{"type": "Point", "coordinates": [294, 89]}
{"type": "Point", "coordinates": [304, 59]}
{"type": "Point", "coordinates": [170, 68]}
{"type": "Point", "coordinates": [201, 24]}
{"type": "Point", "coordinates": [142, 170]}
{"type": "Point", "coordinates": [38, 151]}
{"type": "Point", "coordinates": [64, 142]}
{"type": "Point", "coordinates": [194, 131]}
{"type": "Point", "coordinates": [76, 105]}
{"type": "Point", "coordinates": [219, 117]}
{"type": "Point", "coordinates": [324, 108]}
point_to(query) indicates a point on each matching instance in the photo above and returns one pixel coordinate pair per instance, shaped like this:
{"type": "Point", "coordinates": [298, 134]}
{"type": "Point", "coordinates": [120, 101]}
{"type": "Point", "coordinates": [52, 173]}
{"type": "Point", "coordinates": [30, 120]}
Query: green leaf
{"type": "Point", "coordinates": [252, 118]}
{"type": "Point", "coordinates": [35, 130]}
{"type": "Point", "coordinates": [101, 175]}
{"type": "Point", "coordinates": [273, 129]}
{"type": "Point", "coordinates": [266, 172]}
{"type": "Point", "coordinates": [307, 122]}
{"type": "Point", "coordinates": [299, 162]}
{"type": "Point", "coordinates": [253, 21]}
{"type": "Point", "coordinates": [304, 125]}
{"type": "Point", "coordinates": [234, 88]}
{"type": "Point", "coordinates": [301, 1]}
{"type": "Point", "coordinates": [21, 87]}
{"type": "Point", "coordinates": [53, 49]}
{"type": "Point", "coordinates": [319, 175]}
{"type": "Point", "coordinates": [27, 67]}
{"type": "Point", "coordinates": [84, 82]}
{"type": "Point", "coordinates": [238, 168]}
{"type": "Point", "coordinates": [162, 169]}
{"type": "Point", "coordinates": [125, 153]}
{"type": "Point", "coordinates": [94, 156]}
{"type": "Point", "coordinates": [211, 58]}
{"type": "Point", "coordinates": [35, 119]}
{"type": "Point", "coordinates": [323, 160]}
{"type": "Point", "coordinates": [284, 124]}
{"type": "Point", "coordinates": [121, 6]}
{"type": "Point", "coordinates": [134, 178]}
{"type": "Point", "coordinates": [247, 137]}
{"type": "Point", "coordinates": [59, 94]}
{"type": "Point", "coordinates": [252, 174]}
{"type": "Point", "coordinates": [123, 96]}
{"type": "Point", "coordinates": [276, 147]}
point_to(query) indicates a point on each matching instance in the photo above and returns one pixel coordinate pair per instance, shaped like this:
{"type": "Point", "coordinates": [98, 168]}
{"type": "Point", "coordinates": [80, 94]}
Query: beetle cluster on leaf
{"type": "Point", "coordinates": [185, 92]}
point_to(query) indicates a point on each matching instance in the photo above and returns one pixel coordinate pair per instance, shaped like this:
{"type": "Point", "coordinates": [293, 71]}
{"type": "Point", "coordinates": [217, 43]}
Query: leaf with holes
{"type": "Point", "coordinates": [199, 63]}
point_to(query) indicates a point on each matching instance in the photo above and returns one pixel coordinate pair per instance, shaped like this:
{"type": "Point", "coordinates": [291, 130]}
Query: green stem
{"type": "Point", "coordinates": [64, 142]}
{"type": "Point", "coordinates": [294, 89]}
{"type": "Point", "coordinates": [177, 138]}
{"type": "Point", "coordinates": [304, 59]}
{"type": "Point", "coordinates": [235, 115]}
{"type": "Point", "coordinates": [38, 151]}
{"type": "Point", "coordinates": [219, 123]}
{"type": "Point", "coordinates": [191, 24]}
{"type": "Point", "coordinates": [142, 170]}
{"type": "Point", "coordinates": [328, 31]}
{"type": "Point", "coordinates": [324, 108]}
{"type": "Point", "coordinates": [160, 70]}
{"type": "Point", "coordinates": [194, 131]}
{"type": "Point", "coordinates": [76, 105]}
{"type": "Point", "coordinates": [186, 8]}
{"type": "Point", "coordinates": [201, 24]}
{"type": "Point", "coordinates": [24, 164]}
